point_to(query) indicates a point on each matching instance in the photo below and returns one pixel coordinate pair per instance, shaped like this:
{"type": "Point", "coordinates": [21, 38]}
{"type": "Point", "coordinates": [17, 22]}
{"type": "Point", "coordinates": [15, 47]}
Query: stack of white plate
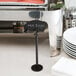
{"type": "Point", "coordinates": [69, 42]}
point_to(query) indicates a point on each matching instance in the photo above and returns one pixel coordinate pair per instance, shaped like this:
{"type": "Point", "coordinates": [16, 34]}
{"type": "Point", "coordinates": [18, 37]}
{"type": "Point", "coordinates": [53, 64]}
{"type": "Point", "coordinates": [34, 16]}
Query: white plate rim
{"type": "Point", "coordinates": [70, 47]}
{"type": "Point", "coordinates": [69, 53]}
{"type": "Point", "coordinates": [70, 35]}
{"type": "Point", "coordinates": [69, 43]}
{"type": "Point", "coordinates": [73, 53]}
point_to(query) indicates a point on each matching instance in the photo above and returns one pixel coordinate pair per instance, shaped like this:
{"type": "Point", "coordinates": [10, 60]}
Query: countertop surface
{"type": "Point", "coordinates": [17, 55]}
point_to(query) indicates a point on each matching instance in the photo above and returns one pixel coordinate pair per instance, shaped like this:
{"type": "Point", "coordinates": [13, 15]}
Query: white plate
{"type": "Point", "coordinates": [73, 49]}
{"type": "Point", "coordinates": [68, 53]}
{"type": "Point", "coordinates": [69, 45]}
{"type": "Point", "coordinates": [70, 35]}
{"type": "Point", "coordinates": [70, 50]}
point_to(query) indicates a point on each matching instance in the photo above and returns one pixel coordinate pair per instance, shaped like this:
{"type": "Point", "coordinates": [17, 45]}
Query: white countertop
{"type": "Point", "coordinates": [17, 55]}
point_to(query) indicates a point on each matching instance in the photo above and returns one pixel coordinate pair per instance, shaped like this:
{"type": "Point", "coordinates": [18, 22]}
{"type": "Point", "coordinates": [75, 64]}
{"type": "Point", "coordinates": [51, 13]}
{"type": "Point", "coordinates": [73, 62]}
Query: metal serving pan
{"type": "Point", "coordinates": [21, 3]}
